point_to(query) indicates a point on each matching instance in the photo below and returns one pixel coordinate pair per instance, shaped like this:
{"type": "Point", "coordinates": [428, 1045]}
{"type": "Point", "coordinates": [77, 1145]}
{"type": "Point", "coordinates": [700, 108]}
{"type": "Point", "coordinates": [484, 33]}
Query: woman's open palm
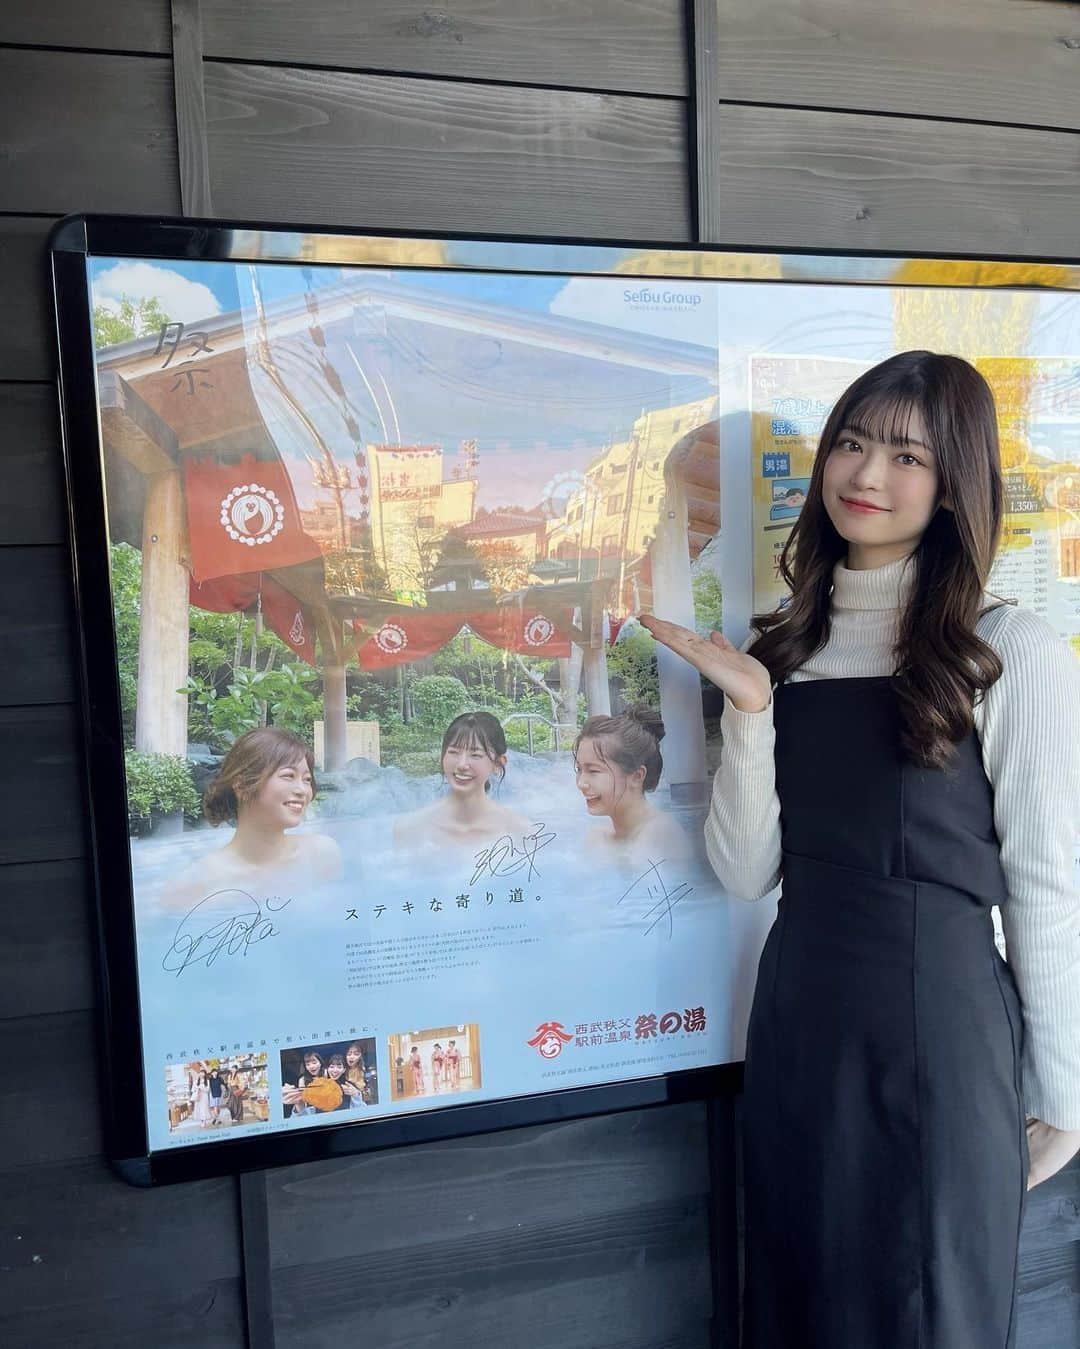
{"type": "Point", "coordinates": [742, 678]}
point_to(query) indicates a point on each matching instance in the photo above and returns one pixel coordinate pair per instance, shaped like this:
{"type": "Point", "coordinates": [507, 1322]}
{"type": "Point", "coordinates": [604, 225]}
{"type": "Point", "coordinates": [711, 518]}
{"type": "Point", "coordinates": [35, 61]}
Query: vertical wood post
{"type": "Point", "coordinates": [335, 745]}
{"type": "Point", "coordinates": [597, 689]}
{"type": "Point", "coordinates": [258, 1283]}
{"type": "Point", "coordinates": [160, 710]}
{"type": "Point", "coordinates": [190, 98]}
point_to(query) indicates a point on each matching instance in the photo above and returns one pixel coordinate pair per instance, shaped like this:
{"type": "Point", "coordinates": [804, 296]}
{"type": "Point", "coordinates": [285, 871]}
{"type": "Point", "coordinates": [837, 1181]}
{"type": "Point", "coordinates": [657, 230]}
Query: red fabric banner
{"type": "Point", "coordinates": [539, 632]}
{"type": "Point", "coordinates": [242, 517]}
{"type": "Point", "coordinates": [282, 612]}
{"type": "Point", "coordinates": [405, 636]}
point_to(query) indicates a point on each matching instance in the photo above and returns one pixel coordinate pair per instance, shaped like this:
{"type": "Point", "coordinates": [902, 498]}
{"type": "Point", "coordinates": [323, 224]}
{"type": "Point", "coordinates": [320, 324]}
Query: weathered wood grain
{"type": "Point", "coordinates": [87, 132]}
{"type": "Point", "coordinates": [93, 1233]}
{"type": "Point", "coordinates": [63, 1047]}
{"type": "Point", "coordinates": [173, 1314]}
{"type": "Point", "coordinates": [46, 962]}
{"type": "Point", "coordinates": [190, 108]}
{"type": "Point", "coordinates": [41, 806]}
{"type": "Point", "coordinates": [26, 333]}
{"type": "Point", "coordinates": [626, 45]}
{"type": "Point", "coordinates": [109, 25]}
{"type": "Point", "coordinates": [379, 151]}
{"type": "Point", "coordinates": [583, 1281]}
{"type": "Point", "coordinates": [793, 178]}
{"type": "Point", "coordinates": [32, 501]}
{"type": "Point", "coordinates": [990, 60]}
{"type": "Point", "coordinates": [35, 599]}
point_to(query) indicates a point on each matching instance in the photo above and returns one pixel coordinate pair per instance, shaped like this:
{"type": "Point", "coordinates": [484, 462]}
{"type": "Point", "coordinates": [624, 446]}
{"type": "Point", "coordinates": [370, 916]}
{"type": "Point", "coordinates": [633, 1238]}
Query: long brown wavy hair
{"type": "Point", "coordinates": [942, 666]}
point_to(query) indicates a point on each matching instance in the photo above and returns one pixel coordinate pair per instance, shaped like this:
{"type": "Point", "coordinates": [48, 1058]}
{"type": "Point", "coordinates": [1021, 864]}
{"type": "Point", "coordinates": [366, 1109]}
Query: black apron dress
{"type": "Point", "coordinates": [885, 1148]}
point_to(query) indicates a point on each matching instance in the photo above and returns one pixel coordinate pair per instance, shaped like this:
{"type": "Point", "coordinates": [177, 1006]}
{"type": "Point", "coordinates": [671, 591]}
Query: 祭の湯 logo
{"type": "Point", "coordinates": [549, 1039]}
{"type": "Point", "coordinates": [252, 514]}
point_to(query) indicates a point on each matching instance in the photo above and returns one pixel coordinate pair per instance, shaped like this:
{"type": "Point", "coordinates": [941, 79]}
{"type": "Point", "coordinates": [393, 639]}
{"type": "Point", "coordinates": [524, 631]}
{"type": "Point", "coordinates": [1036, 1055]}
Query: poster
{"type": "Point", "coordinates": [415, 811]}
{"type": "Point", "coordinates": [404, 832]}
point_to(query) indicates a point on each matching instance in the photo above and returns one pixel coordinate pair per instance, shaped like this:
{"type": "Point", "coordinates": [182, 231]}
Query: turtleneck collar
{"type": "Point", "coordinates": [884, 587]}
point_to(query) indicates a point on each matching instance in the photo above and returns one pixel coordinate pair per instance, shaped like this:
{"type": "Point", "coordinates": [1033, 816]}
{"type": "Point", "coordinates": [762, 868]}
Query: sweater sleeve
{"type": "Point", "coordinates": [742, 831]}
{"type": "Point", "coordinates": [1030, 736]}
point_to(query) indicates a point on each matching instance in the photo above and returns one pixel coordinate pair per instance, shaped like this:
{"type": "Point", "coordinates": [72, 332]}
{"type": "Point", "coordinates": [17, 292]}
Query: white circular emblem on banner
{"type": "Point", "coordinates": [391, 638]}
{"type": "Point", "coordinates": [252, 514]}
{"type": "Point", "coordinates": [539, 630]}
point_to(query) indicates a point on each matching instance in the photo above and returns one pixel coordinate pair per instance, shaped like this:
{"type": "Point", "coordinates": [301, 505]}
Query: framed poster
{"type": "Point", "coordinates": [397, 810]}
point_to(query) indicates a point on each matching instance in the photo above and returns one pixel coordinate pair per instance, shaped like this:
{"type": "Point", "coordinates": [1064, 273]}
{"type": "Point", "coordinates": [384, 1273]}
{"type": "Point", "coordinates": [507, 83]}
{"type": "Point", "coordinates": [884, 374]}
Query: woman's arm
{"type": "Point", "coordinates": [742, 832]}
{"type": "Point", "coordinates": [1030, 733]}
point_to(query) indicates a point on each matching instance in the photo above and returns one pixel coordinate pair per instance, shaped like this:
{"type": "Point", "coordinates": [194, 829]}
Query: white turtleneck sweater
{"type": "Point", "coordinates": [1028, 726]}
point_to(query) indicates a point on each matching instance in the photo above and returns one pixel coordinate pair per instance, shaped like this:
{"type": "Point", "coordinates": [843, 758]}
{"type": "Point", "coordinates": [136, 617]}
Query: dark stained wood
{"type": "Point", "coordinates": [96, 1236]}
{"type": "Point", "coordinates": [63, 1047]}
{"type": "Point", "coordinates": [35, 599]}
{"type": "Point", "coordinates": [592, 1232]}
{"type": "Point", "coordinates": [705, 196]}
{"type": "Point", "coordinates": [258, 1277]}
{"type": "Point", "coordinates": [46, 944]}
{"type": "Point", "coordinates": [379, 151]}
{"type": "Point", "coordinates": [26, 333]}
{"type": "Point", "coordinates": [169, 1313]}
{"type": "Point", "coordinates": [582, 1281]}
{"type": "Point", "coordinates": [110, 25]}
{"type": "Point", "coordinates": [190, 107]}
{"type": "Point", "coordinates": [1048, 1315]}
{"type": "Point", "coordinates": [87, 133]}
{"type": "Point", "coordinates": [838, 180]}
{"type": "Point", "coordinates": [990, 60]}
{"type": "Point", "coordinates": [626, 45]}
{"type": "Point", "coordinates": [32, 506]}
{"type": "Point", "coordinates": [41, 806]}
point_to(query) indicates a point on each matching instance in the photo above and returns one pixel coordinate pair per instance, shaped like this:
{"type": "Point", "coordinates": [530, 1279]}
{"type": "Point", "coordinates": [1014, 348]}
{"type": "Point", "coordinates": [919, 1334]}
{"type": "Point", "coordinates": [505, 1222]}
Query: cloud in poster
{"type": "Point", "coordinates": [683, 311]}
{"type": "Point", "coordinates": [184, 300]}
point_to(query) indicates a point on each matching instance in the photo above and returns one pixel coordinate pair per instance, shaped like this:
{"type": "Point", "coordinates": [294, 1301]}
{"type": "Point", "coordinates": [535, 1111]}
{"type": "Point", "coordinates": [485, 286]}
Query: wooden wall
{"type": "Point", "coordinates": [819, 124]}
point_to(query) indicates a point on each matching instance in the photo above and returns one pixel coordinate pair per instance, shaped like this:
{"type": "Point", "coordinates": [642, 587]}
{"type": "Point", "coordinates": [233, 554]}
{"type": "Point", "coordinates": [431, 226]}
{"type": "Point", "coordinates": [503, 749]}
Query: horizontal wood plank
{"type": "Point", "coordinates": [87, 132]}
{"type": "Point", "coordinates": [27, 344]}
{"type": "Point", "coordinates": [32, 504]}
{"type": "Point", "coordinates": [46, 943]}
{"type": "Point", "coordinates": [318, 147]}
{"type": "Point", "coordinates": [41, 806]}
{"type": "Point", "coordinates": [36, 601]}
{"type": "Point", "coordinates": [792, 178]}
{"type": "Point", "coordinates": [175, 1313]}
{"type": "Point", "coordinates": [93, 1236]}
{"type": "Point", "coordinates": [582, 1281]}
{"type": "Point", "coordinates": [636, 46]}
{"type": "Point", "coordinates": [456, 1189]}
{"type": "Point", "coordinates": [990, 60]}
{"type": "Point", "coordinates": [110, 25]}
{"type": "Point", "coordinates": [64, 1048]}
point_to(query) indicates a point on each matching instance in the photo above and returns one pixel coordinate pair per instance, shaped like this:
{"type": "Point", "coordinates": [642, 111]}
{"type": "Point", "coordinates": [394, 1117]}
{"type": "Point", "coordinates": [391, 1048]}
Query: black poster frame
{"type": "Point", "coordinates": [72, 242]}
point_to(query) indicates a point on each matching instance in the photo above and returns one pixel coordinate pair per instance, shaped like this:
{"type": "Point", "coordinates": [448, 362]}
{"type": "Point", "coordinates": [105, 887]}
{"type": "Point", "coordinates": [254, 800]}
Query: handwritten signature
{"type": "Point", "coordinates": [229, 934]}
{"type": "Point", "coordinates": [505, 858]}
{"type": "Point", "coordinates": [651, 885]}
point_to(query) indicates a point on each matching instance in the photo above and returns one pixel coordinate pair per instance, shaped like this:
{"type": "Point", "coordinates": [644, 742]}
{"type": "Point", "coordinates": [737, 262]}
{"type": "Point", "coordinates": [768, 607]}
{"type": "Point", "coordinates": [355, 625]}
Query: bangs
{"type": "Point", "coordinates": [882, 418]}
{"type": "Point", "coordinates": [469, 738]}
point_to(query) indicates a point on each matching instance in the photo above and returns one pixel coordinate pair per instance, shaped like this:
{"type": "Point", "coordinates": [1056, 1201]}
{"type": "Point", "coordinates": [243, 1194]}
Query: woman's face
{"type": "Point", "coordinates": [352, 1056]}
{"type": "Point", "coordinates": [284, 796]}
{"type": "Point", "coordinates": [335, 1070]}
{"type": "Point", "coordinates": [312, 1065]}
{"type": "Point", "coordinates": [880, 497]}
{"type": "Point", "coordinates": [603, 784]}
{"type": "Point", "coordinates": [414, 1053]}
{"type": "Point", "coordinates": [467, 768]}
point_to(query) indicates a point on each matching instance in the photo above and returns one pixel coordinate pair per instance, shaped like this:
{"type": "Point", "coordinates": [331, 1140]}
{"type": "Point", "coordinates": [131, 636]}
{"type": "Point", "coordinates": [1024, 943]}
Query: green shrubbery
{"type": "Point", "coordinates": [159, 784]}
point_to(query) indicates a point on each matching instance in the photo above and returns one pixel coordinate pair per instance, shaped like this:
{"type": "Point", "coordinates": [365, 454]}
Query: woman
{"type": "Point", "coordinates": [453, 1065]}
{"type": "Point", "coordinates": [292, 1096]}
{"type": "Point", "coordinates": [616, 761]}
{"type": "Point", "coordinates": [354, 1083]}
{"type": "Point", "coordinates": [416, 1067]}
{"type": "Point", "coordinates": [337, 1071]}
{"type": "Point", "coordinates": [237, 1090]}
{"type": "Point", "coordinates": [216, 1087]}
{"type": "Point", "coordinates": [437, 1060]}
{"type": "Point", "coordinates": [200, 1096]}
{"type": "Point", "coordinates": [473, 753]}
{"type": "Point", "coordinates": [265, 784]}
{"type": "Point", "coordinates": [903, 752]}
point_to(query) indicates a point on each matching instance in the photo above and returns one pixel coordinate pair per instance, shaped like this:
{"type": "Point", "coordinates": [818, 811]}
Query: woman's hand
{"type": "Point", "coordinates": [350, 1088]}
{"type": "Point", "coordinates": [1050, 1150]}
{"type": "Point", "coordinates": [743, 679]}
{"type": "Point", "coordinates": [290, 1095]}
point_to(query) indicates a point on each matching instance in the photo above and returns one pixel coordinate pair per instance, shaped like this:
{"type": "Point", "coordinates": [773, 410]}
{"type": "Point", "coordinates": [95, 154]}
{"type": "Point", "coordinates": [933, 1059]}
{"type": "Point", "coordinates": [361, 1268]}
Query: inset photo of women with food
{"type": "Point", "coordinates": [338, 1076]}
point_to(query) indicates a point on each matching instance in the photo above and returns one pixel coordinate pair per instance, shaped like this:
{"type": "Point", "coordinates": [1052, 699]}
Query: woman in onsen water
{"type": "Point", "coordinates": [473, 754]}
{"type": "Point", "coordinates": [265, 785]}
{"type": "Point", "coordinates": [616, 761]}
